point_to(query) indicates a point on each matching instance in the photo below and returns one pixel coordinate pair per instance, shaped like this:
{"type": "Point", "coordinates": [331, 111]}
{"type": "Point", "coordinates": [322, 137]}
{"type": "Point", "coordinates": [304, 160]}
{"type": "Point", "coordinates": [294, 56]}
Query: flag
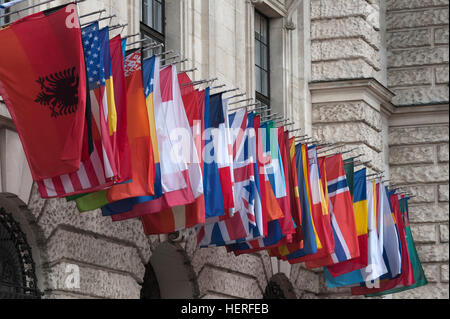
{"type": "Point", "coordinates": [218, 130]}
{"type": "Point", "coordinates": [419, 275]}
{"type": "Point", "coordinates": [9, 4]}
{"type": "Point", "coordinates": [310, 242]}
{"type": "Point", "coordinates": [349, 168]}
{"type": "Point", "coordinates": [123, 157]}
{"type": "Point", "coordinates": [342, 215]}
{"type": "Point", "coordinates": [138, 131]}
{"type": "Point", "coordinates": [174, 219]}
{"type": "Point", "coordinates": [181, 178]}
{"type": "Point", "coordinates": [214, 201]}
{"type": "Point", "coordinates": [246, 222]}
{"type": "Point", "coordinates": [406, 277]}
{"type": "Point", "coordinates": [97, 171]}
{"type": "Point", "coordinates": [268, 155]}
{"type": "Point", "coordinates": [360, 208]}
{"type": "Point", "coordinates": [375, 264]}
{"type": "Point", "coordinates": [47, 101]}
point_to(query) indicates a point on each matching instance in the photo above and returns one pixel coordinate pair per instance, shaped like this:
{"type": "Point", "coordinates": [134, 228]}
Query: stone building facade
{"type": "Point", "coordinates": [372, 74]}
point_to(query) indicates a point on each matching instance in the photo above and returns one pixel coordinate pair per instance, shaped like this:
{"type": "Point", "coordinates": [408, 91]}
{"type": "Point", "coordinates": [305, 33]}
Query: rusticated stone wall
{"type": "Point", "coordinates": [417, 62]}
{"type": "Point", "coordinates": [419, 164]}
{"type": "Point", "coordinates": [417, 40]}
{"type": "Point", "coordinates": [345, 39]}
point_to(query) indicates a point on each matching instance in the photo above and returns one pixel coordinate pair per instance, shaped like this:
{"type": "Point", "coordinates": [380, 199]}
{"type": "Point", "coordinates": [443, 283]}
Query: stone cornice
{"type": "Point", "coordinates": [369, 90]}
{"type": "Point", "coordinates": [420, 115]}
{"type": "Point", "coordinates": [271, 8]}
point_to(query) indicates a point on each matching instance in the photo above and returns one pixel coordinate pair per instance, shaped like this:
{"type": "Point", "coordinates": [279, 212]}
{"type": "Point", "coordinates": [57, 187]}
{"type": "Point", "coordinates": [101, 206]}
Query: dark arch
{"type": "Point", "coordinates": [17, 269]}
{"type": "Point", "coordinates": [279, 287]}
{"type": "Point", "coordinates": [169, 274]}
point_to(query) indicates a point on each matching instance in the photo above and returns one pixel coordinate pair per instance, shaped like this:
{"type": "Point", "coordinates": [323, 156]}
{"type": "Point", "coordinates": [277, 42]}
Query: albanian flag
{"type": "Point", "coordinates": [43, 83]}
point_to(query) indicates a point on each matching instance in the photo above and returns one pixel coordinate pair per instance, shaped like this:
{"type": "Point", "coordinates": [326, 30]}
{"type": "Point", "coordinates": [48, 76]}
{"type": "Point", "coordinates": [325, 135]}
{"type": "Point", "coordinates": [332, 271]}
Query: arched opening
{"type": "Point", "coordinates": [279, 287]}
{"type": "Point", "coordinates": [169, 274]}
{"type": "Point", "coordinates": [17, 269]}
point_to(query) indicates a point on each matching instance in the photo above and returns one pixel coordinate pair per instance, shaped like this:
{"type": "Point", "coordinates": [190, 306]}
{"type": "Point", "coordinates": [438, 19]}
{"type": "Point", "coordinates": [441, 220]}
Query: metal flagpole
{"type": "Point", "coordinates": [92, 13]}
{"type": "Point", "coordinates": [26, 8]}
{"type": "Point", "coordinates": [187, 71]}
{"type": "Point", "coordinates": [101, 19]}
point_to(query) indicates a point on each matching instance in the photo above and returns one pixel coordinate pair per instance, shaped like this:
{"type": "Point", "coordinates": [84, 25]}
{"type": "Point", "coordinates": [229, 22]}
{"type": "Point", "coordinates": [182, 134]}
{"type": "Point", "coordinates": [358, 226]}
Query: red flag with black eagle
{"type": "Point", "coordinates": [43, 84]}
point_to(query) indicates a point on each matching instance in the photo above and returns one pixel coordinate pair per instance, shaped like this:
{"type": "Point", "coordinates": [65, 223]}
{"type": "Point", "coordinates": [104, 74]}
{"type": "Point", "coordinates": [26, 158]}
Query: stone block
{"type": "Point", "coordinates": [417, 56]}
{"type": "Point", "coordinates": [429, 213]}
{"type": "Point", "coordinates": [444, 273]}
{"type": "Point", "coordinates": [410, 38]}
{"type": "Point", "coordinates": [443, 233]}
{"type": "Point", "coordinates": [415, 19]}
{"type": "Point", "coordinates": [425, 233]}
{"type": "Point", "coordinates": [307, 281]}
{"type": "Point", "coordinates": [418, 135]}
{"type": "Point", "coordinates": [59, 211]}
{"type": "Point", "coordinates": [345, 28]}
{"type": "Point", "coordinates": [94, 282]}
{"type": "Point", "coordinates": [432, 272]}
{"type": "Point", "coordinates": [441, 74]}
{"type": "Point", "coordinates": [424, 193]}
{"type": "Point", "coordinates": [443, 193]}
{"type": "Point", "coordinates": [341, 69]}
{"type": "Point", "coordinates": [336, 49]}
{"type": "Point", "coordinates": [421, 95]}
{"type": "Point", "coordinates": [87, 249]}
{"type": "Point", "coordinates": [399, 155]}
{"type": "Point", "coordinates": [213, 280]}
{"type": "Point", "coordinates": [430, 291]}
{"type": "Point", "coordinates": [414, 4]}
{"type": "Point", "coordinates": [419, 174]}
{"type": "Point", "coordinates": [433, 253]}
{"type": "Point", "coordinates": [443, 153]}
{"type": "Point", "coordinates": [403, 77]}
{"type": "Point", "coordinates": [441, 35]}
{"type": "Point", "coordinates": [346, 112]}
{"type": "Point", "coordinates": [249, 265]}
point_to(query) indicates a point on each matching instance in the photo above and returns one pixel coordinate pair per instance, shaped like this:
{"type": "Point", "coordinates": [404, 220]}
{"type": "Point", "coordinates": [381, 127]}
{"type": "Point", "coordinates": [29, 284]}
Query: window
{"type": "Point", "coordinates": [262, 60]}
{"type": "Point", "coordinates": [4, 20]}
{"type": "Point", "coordinates": [153, 23]}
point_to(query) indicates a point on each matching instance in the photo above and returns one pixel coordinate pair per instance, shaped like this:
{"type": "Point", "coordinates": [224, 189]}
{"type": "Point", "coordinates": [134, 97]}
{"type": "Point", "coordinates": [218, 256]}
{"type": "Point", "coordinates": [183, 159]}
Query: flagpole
{"type": "Point", "coordinates": [101, 19]}
{"type": "Point", "coordinates": [26, 8]}
{"type": "Point", "coordinates": [92, 13]}
{"type": "Point", "coordinates": [187, 71]}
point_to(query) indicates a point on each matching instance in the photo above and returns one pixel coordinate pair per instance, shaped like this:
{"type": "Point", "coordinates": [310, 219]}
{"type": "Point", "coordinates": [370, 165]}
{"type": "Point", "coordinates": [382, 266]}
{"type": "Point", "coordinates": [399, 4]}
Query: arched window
{"type": "Point", "coordinates": [17, 269]}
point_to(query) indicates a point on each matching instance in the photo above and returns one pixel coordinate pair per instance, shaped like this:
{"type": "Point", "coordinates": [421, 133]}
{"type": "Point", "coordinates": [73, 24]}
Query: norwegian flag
{"type": "Point", "coordinates": [246, 222]}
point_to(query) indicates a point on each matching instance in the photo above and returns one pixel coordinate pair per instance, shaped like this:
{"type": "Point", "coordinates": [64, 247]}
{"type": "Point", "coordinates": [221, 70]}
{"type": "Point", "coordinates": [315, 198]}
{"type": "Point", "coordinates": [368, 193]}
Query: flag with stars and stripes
{"type": "Point", "coordinates": [98, 171]}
